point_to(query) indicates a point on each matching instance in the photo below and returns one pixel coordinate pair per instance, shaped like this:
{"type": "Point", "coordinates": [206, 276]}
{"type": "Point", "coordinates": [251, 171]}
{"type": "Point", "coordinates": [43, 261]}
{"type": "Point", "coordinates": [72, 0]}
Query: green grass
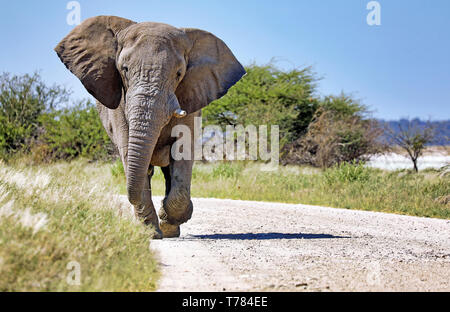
{"type": "Point", "coordinates": [425, 194]}
{"type": "Point", "coordinates": [51, 215]}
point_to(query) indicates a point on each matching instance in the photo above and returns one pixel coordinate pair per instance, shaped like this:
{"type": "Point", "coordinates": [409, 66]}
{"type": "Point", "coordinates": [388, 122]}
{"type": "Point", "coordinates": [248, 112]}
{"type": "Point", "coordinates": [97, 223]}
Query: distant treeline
{"type": "Point", "coordinates": [441, 129]}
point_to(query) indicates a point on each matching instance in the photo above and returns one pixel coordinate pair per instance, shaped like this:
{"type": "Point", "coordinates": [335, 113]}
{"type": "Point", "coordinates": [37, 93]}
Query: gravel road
{"type": "Point", "coordinates": [232, 245]}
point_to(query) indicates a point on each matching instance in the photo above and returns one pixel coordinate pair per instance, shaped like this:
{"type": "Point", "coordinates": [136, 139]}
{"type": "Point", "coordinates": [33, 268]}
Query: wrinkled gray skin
{"type": "Point", "coordinates": [147, 78]}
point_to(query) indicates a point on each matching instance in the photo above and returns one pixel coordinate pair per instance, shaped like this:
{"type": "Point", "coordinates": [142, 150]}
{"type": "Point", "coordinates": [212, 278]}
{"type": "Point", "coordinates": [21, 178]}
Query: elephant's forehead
{"type": "Point", "coordinates": [150, 31]}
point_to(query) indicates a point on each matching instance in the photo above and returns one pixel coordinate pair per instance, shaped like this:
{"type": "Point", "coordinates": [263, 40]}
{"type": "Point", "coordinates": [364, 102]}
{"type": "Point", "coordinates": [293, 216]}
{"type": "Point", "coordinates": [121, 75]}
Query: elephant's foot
{"type": "Point", "coordinates": [158, 234]}
{"type": "Point", "coordinates": [177, 207]}
{"type": "Point", "coordinates": [147, 215]}
{"type": "Point", "coordinates": [169, 230]}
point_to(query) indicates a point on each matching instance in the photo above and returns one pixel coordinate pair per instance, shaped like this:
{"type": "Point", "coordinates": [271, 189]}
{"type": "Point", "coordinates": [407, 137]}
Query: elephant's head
{"type": "Point", "coordinates": [161, 72]}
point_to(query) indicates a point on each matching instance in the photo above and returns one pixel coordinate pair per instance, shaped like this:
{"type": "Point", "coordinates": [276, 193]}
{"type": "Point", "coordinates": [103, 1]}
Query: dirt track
{"type": "Point", "coordinates": [241, 246]}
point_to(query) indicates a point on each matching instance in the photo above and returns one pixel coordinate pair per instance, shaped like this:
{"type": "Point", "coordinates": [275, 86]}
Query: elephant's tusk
{"type": "Point", "coordinates": [179, 113]}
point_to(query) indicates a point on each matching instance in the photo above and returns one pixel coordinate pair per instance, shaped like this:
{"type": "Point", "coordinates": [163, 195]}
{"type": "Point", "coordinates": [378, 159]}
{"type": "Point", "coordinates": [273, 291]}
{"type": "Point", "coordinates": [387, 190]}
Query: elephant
{"type": "Point", "coordinates": [148, 78]}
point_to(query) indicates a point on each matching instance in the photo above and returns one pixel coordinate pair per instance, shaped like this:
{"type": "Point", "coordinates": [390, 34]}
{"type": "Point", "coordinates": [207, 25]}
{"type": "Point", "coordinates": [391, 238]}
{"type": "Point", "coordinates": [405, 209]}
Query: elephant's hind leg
{"type": "Point", "coordinates": [168, 230]}
{"type": "Point", "coordinates": [146, 211]}
{"type": "Point", "coordinates": [166, 173]}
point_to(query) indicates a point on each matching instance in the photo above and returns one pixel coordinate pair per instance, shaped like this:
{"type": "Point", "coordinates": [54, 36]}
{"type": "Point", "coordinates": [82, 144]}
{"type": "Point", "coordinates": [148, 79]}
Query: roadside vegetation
{"type": "Point", "coordinates": [54, 215]}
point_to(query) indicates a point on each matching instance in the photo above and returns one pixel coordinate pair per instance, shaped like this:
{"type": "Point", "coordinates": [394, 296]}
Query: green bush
{"type": "Point", "coordinates": [343, 106]}
{"type": "Point", "coordinates": [32, 122]}
{"type": "Point", "coordinates": [22, 100]}
{"type": "Point", "coordinates": [75, 131]}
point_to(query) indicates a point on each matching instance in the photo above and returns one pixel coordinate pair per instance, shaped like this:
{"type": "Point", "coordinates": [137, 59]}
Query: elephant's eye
{"type": "Point", "coordinates": [179, 74]}
{"type": "Point", "coordinates": [125, 69]}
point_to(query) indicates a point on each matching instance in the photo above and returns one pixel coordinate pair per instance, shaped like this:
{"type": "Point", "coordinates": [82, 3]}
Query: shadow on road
{"type": "Point", "coordinates": [263, 236]}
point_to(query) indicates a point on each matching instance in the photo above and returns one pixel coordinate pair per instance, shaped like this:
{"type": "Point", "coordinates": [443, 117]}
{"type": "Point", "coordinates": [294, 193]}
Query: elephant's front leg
{"type": "Point", "coordinates": [116, 126]}
{"type": "Point", "coordinates": [146, 211]}
{"type": "Point", "coordinates": [177, 205]}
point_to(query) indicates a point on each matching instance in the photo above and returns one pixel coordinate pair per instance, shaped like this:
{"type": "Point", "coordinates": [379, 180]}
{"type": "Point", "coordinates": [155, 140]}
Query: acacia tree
{"type": "Point", "coordinates": [412, 138]}
{"type": "Point", "coordinates": [268, 95]}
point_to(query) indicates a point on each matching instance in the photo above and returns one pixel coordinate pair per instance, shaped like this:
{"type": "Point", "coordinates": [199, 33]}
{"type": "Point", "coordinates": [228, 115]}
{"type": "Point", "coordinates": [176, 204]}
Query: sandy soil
{"type": "Point", "coordinates": [252, 246]}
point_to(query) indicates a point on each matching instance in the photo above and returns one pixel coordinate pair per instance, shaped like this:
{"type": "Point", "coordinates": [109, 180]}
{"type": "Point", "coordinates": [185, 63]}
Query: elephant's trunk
{"type": "Point", "coordinates": [144, 128]}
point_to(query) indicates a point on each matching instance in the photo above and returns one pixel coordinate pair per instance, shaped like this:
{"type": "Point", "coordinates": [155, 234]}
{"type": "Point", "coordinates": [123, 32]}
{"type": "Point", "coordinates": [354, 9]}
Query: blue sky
{"type": "Point", "coordinates": [399, 69]}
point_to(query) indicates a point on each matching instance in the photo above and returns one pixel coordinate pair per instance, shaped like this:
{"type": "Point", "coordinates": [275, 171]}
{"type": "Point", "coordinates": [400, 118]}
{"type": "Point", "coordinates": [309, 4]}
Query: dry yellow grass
{"type": "Point", "coordinates": [55, 218]}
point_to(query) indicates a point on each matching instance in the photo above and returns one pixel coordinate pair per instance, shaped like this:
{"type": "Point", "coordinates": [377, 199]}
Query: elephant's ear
{"type": "Point", "coordinates": [89, 52]}
{"type": "Point", "coordinates": [211, 70]}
